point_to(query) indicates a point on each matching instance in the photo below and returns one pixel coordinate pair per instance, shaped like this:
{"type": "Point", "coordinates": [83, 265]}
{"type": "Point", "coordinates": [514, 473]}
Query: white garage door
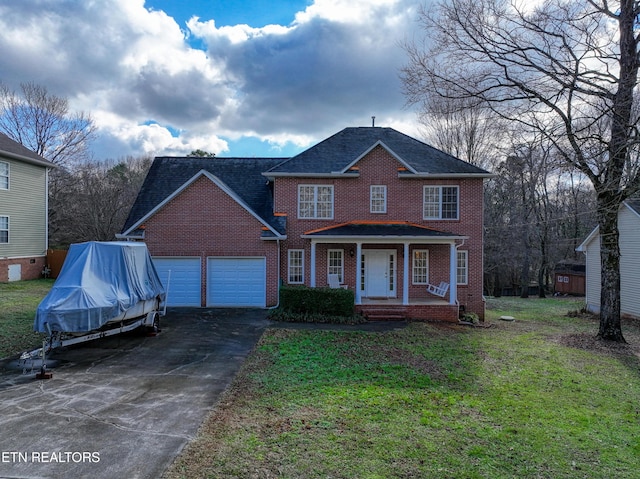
{"type": "Point", "coordinates": [236, 282]}
{"type": "Point", "coordinates": [184, 282]}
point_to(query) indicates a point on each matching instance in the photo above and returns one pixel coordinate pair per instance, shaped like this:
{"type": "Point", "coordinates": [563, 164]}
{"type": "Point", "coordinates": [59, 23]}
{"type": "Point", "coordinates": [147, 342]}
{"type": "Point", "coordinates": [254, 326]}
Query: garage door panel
{"type": "Point", "coordinates": [183, 276]}
{"type": "Point", "coordinates": [238, 282]}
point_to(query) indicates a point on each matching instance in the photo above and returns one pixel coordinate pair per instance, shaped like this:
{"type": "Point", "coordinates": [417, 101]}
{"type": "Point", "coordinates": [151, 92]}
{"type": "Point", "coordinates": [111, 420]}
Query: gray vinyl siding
{"type": "Point", "coordinates": [25, 203]}
{"type": "Point", "coordinates": [629, 225]}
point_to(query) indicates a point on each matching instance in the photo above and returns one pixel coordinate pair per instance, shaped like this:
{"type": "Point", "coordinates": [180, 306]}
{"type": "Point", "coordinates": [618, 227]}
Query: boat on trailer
{"type": "Point", "coordinates": [104, 288]}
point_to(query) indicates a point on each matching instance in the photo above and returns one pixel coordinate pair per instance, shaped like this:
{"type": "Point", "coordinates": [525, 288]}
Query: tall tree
{"type": "Point", "coordinates": [43, 123]}
{"type": "Point", "coordinates": [566, 68]}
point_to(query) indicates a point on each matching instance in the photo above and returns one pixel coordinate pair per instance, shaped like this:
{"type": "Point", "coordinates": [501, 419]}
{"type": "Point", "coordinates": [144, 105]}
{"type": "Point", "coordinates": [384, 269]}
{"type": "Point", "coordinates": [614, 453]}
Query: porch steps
{"type": "Point", "coordinates": [382, 314]}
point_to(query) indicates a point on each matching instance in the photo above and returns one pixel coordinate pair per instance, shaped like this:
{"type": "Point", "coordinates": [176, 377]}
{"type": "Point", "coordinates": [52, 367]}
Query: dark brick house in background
{"type": "Point", "coordinates": [375, 210]}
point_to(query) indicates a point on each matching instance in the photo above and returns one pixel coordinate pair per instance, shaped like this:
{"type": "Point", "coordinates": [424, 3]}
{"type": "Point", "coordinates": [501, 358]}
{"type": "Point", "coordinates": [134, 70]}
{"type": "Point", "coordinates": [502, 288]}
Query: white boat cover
{"type": "Point", "coordinates": [98, 282]}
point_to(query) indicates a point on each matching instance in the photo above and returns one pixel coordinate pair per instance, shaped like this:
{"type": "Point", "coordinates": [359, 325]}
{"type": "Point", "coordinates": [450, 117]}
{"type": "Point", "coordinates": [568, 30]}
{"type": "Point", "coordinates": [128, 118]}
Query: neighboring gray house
{"type": "Point", "coordinates": [629, 228]}
{"type": "Point", "coordinates": [23, 211]}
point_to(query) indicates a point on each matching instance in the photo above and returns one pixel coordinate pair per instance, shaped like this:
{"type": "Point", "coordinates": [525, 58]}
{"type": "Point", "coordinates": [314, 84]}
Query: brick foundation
{"type": "Point", "coordinates": [31, 268]}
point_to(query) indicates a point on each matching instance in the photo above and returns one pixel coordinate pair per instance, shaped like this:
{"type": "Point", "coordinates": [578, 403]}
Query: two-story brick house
{"type": "Point", "coordinates": [23, 211]}
{"type": "Point", "coordinates": [377, 211]}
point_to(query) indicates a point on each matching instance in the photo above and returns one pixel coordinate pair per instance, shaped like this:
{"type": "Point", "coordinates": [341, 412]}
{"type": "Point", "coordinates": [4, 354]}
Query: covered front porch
{"type": "Point", "coordinates": [389, 267]}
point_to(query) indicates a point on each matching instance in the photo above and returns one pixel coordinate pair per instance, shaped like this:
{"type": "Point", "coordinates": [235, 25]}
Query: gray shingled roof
{"type": "Point", "coordinates": [339, 151]}
{"type": "Point", "coordinates": [16, 150]}
{"type": "Point", "coordinates": [242, 175]}
{"type": "Point", "coordinates": [634, 203]}
{"type": "Point", "coordinates": [379, 229]}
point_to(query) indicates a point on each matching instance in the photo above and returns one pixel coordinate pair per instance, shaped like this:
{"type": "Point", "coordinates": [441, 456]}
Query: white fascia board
{"type": "Point", "coordinates": [349, 174]}
{"type": "Point", "coordinates": [223, 186]}
{"type": "Point", "coordinates": [34, 161]}
{"type": "Point", "coordinates": [444, 176]}
{"type": "Point", "coordinates": [583, 246]}
{"type": "Point", "coordinates": [389, 150]}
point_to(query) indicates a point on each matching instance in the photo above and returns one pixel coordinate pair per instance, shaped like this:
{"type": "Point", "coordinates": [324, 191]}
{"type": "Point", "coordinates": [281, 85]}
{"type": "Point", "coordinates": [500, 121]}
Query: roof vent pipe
{"type": "Point", "coordinates": [373, 121]}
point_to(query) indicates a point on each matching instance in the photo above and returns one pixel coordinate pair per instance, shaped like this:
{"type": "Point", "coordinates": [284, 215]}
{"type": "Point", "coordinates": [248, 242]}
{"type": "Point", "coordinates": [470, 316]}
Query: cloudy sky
{"type": "Point", "coordinates": [233, 77]}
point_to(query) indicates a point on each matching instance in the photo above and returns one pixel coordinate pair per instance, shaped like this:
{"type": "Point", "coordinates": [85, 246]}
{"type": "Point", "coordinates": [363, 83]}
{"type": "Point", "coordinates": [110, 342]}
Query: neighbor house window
{"type": "Point", "coordinates": [296, 266]}
{"type": "Point", "coordinates": [335, 265]}
{"type": "Point", "coordinates": [378, 199]}
{"type": "Point", "coordinates": [462, 271]}
{"type": "Point", "coordinates": [440, 202]}
{"type": "Point", "coordinates": [420, 266]}
{"type": "Point", "coordinates": [4, 229]}
{"type": "Point", "coordinates": [315, 201]}
{"type": "Point", "coordinates": [4, 175]}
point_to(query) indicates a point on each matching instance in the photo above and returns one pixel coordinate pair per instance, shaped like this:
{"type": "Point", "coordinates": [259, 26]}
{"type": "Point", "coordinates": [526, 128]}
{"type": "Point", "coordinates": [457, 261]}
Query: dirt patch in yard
{"type": "Point", "coordinates": [590, 342]}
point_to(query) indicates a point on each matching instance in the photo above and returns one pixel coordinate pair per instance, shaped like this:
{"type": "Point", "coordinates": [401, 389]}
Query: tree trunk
{"type": "Point", "coordinates": [610, 324]}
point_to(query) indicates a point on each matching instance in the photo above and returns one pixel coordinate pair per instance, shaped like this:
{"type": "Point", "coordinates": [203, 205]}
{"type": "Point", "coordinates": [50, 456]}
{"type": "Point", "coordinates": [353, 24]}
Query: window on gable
{"type": "Point", "coordinates": [4, 229]}
{"type": "Point", "coordinates": [4, 175]}
{"type": "Point", "coordinates": [462, 271]}
{"type": "Point", "coordinates": [420, 266]}
{"type": "Point", "coordinates": [440, 202]}
{"type": "Point", "coordinates": [296, 266]}
{"type": "Point", "coordinates": [378, 199]}
{"type": "Point", "coordinates": [315, 201]}
{"type": "Point", "coordinates": [335, 265]}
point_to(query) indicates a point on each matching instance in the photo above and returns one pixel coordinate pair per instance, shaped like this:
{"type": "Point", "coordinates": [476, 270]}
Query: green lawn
{"type": "Point", "coordinates": [18, 303]}
{"type": "Point", "coordinates": [533, 398]}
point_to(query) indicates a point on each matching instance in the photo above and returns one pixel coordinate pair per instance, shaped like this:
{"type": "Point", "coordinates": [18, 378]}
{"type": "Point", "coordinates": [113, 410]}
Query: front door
{"type": "Point", "coordinates": [379, 273]}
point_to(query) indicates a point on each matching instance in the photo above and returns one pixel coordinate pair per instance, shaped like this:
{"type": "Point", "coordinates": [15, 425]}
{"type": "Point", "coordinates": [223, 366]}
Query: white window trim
{"type": "Point", "coordinates": [383, 189]}
{"type": "Point", "coordinates": [8, 175]}
{"type": "Point", "coordinates": [8, 230]}
{"type": "Point", "coordinates": [341, 272]}
{"type": "Point", "coordinates": [289, 266]}
{"type": "Point", "coordinates": [439, 188]}
{"type": "Point", "coordinates": [315, 202]}
{"type": "Point", "coordinates": [466, 266]}
{"type": "Point", "coordinates": [413, 267]}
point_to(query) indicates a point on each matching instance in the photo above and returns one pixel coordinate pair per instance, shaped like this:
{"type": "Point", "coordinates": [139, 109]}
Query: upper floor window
{"type": "Point", "coordinates": [462, 271]}
{"type": "Point", "coordinates": [4, 175]}
{"type": "Point", "coordinates": [440, 203]}
{"type": "Point", "coordinates": [4, 229]}
{"type": "Point", "coordinates": [296, 266]}
{"type": "Point", "coordinates": [378, 199]}
{"type": "Point", "coordinates": [315, 201]}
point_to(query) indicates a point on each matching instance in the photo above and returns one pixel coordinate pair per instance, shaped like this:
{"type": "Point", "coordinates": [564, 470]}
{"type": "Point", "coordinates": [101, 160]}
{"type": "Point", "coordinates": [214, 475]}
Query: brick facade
{"type": "Point", "coordinates": [30, 268]}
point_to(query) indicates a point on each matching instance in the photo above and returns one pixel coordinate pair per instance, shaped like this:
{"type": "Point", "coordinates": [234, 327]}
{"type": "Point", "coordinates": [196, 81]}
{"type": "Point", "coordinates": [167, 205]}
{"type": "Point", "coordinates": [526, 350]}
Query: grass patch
{"type": "Point", "coordinates": [537, 397]}
{"type": "Point", "coordinates": [18, 303]}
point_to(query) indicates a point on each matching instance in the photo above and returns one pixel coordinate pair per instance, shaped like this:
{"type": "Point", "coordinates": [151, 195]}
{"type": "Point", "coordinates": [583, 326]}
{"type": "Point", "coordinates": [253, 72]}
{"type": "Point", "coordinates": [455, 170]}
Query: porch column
{"type": "Point", "coordinates": [358, 273]}
{"type": "Point", "coordinates": [312, 269]}
{"type": "Point", "coordinates": [453, 274]}
{"type": "Point", "coordinates": [405, 276]}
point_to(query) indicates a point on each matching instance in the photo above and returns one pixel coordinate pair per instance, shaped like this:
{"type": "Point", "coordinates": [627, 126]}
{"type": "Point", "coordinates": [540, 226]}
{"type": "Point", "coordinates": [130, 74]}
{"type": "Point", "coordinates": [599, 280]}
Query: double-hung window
{"type": "Point", "coordinates": [378, 199]}
{"type": "Point", "coordinates": [440, 203]}
{"type": "Point", "coordinates": [4, 229]}
{"type": "Point", "coordinates": [462, 271]}
{"type": "Point", "coordinates": [335, 265]}
{"type": "Point", "coordinates": [420, 266]}
{"type": "Point", "coordinates": [4, 175]}
{"type": "Point", "coordinates": [315, 201]}
{"type": "Point", "coordinates": [296, 266]}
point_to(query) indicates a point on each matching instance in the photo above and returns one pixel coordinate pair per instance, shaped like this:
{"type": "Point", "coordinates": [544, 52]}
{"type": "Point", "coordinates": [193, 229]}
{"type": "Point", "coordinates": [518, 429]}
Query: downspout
{"type": "Point", "coordinates": [279, 278]}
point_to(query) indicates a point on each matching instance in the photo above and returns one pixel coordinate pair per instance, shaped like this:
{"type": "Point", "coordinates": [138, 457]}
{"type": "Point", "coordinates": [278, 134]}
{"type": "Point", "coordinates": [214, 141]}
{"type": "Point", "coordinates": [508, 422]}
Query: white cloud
{"type": "Point", "coordinates": [150, 91]}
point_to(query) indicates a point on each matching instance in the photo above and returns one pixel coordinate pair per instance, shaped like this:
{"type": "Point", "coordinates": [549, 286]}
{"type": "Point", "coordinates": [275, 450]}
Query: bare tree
{"type": "Point", "coordinates": [567, 69]}
{"type": "Point", "coordinates": [43, 123]}
{"type": "Point", "coordinates": [91, 201]}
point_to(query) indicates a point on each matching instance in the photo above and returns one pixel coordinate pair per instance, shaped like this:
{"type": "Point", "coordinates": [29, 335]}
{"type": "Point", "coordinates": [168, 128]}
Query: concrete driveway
{"type": "Point", "coordinates": [124, 406]}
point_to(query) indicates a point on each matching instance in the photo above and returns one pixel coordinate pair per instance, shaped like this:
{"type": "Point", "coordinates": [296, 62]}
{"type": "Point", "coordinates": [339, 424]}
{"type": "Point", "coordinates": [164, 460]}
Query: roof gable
{"type": "Point", "coordinates": [240, 177]}
{"type": "Point", "coordinates": [12, 149]}
{"type": "Point", "coordinates": [336, 154]}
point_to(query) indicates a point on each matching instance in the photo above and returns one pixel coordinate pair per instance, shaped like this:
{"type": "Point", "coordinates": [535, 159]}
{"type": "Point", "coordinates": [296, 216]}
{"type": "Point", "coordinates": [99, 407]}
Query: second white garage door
{"type": "Point", "coordinates": [235, 282]}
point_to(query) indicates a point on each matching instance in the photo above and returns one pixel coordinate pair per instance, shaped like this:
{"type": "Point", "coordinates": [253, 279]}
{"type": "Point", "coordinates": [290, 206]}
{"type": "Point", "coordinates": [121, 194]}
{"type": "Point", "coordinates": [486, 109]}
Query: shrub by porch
{"type": "Point", "coordinates": [319, 305]}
